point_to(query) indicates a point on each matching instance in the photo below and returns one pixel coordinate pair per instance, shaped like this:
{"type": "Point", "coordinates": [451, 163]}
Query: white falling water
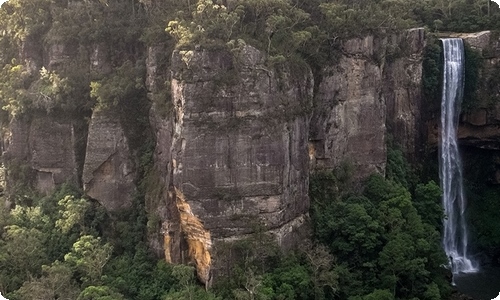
{"type": "Point", "coordinates": [450, 165]}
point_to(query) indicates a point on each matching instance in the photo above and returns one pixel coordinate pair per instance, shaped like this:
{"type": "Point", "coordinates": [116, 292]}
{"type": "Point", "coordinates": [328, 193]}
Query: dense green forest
{"type": "Point", "coordinates": [65, 246]}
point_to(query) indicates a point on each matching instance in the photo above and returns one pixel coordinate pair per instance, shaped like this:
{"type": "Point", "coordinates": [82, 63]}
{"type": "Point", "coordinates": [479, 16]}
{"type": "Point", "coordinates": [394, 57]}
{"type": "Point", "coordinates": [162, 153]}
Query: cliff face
{"type": "Point", "coordinates": [109, 170]}
{"type": "Point", "coordinates": [234, 138]}
{"type": "Point", "coordinates": [479, 126]}
{"type": "Point", "coordinates": [235, 147]}
{"type": "Point", "coordinates": [41, 148]}
{"type": "Point", "coordinates": [480, 119]}
{"type": "Point", "coordinates": [373, 91]}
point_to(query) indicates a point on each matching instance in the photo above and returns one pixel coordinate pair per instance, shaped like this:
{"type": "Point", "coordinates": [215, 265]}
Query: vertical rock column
{"type": "Point", "coordinates": [238, 151]}
{"type": "Point", "coordinates": [402, 89]}
{"type": "Point", "coordinates": [348, 124]}
{"type": "Point", "coordinates": [109, 171]}
{"type": "Point", "coordinates": [240, 141]}
{"type": "Point", "coordinates": [46, 146]}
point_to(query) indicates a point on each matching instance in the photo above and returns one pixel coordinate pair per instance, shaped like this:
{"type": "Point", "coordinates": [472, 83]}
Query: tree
{"type": "Point", "coordinates": [89, 256]}
{"type": "Point", "coordinates": [21, 255]}
{"type": "Point", "coordinates": [72, 213]}
{"type": "Point", "coordinates": [99, 293]}
{"type": "Point", "coordinates": [187, 289]}
{"type": "Point", "coordinates": [321, 263]}
{"type": "Point", "coordinates": [428, 203]}
{"type": "Point", "coordinates": [55, 283]}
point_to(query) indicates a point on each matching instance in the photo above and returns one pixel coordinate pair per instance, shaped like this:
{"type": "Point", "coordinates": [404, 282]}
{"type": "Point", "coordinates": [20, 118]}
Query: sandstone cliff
{"type": "Point", "coordinates": [234, 137]}
{"type": "Point", "coordinates": [374, 90]}
{"type": "Point", "coordinates": [235, 147]}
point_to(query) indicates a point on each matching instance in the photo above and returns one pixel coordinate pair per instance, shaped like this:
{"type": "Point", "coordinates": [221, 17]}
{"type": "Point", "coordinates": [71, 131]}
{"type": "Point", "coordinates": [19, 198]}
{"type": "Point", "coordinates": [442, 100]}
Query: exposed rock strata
{"type": "Point", "coordinates": [109, 171]}
{"type": "Point", "coordinates": [236, 147]}
{"type": "Point", "coordinates": [376, 82]}
{"type": "Point", "coordinates": [402, 90]}
{"type": "Point", "coordinates": [46, 146]}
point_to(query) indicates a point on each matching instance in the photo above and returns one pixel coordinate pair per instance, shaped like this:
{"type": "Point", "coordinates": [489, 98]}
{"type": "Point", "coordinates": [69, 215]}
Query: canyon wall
{"type": "Point", "coordinates": [233, 138]}
{"type": "Point", "coordinates": [372, 92]}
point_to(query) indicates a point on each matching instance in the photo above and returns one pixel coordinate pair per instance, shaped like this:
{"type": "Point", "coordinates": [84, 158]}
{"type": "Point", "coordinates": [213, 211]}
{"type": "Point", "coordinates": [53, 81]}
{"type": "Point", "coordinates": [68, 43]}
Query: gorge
{"type": "Point", "coordinates": [203, 153]}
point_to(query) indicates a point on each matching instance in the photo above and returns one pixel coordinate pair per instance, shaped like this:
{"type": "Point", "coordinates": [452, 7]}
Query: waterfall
{"type": "Point", "coordinates": [450, 165]}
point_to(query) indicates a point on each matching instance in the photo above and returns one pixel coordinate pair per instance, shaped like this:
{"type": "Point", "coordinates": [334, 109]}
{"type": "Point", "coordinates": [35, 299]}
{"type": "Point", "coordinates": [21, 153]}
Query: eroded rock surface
{"type": "Point", "coordinates": [235, 149]}
{"type": "Point", "coordinates": [376, 83]}
{"type": "Point", "coordinates": [349, 120]}
{"type": "Point", "coordinates": [109, 171]}
{"type": "Point", "coordinates": [240, 140]}
{"type": "Point", "coordinates": [44, 147]}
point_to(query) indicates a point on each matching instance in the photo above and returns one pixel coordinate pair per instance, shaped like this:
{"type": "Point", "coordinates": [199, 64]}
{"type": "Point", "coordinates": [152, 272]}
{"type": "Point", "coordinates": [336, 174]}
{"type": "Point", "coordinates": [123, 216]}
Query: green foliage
{"type": "Point", "coordinates": [89, 256]}
{"type": "Point", "coordinates": [25, 18]}
{"type": "Point", "coordinates": [139, 275]}
{"type": "Point", "coordinates": [428, 203]}
{"type": "Point", "coordinates": [398, 169]}
{"type": "Point", "coordinates": [431, 77]}
{"type": "Point", "coordinates": [73, 213]}
{"type": "Point", "coordinates": [22, 255]}
{"type": "Point", "coordinates": [125, 82]}
{"type": "Point", "coordinates": [277, 25]}
{"type": "Point", "coordinates": [254, 268]}
{"type": "Point", "coordinates": [473, 67]}
{"type": "Point", "coordinates": [358, 18]}
{"type": "Point", "coordinates": [55, 283]}
{"type": "Point", "coordinates": [49, 91]}
{"type": "Point", "coordinates": [14, 97]}
{"type": "Point", "coordinates": [378, 237]}
{"type": "Point", "coordinates": [99, 293]}
{"type": "Point", "coordinates": [379, 295]}
{"type": "Point", "coordinates": [211, 22]}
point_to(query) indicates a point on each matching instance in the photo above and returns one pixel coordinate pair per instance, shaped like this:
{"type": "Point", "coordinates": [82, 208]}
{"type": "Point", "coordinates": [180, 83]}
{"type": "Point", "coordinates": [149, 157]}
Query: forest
{"type": "Point", "coordinates": [376, 239]}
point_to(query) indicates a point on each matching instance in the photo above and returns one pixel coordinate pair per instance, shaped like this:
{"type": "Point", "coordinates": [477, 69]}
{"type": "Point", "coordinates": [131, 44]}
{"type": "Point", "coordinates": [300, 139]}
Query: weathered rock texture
{"type": "Point", "coordinates": [197, 238]}
{"type": "Point", "coordinates": [108, 172]}
{"type": "Point", "coordinates": [42, 147]}
{"type": "Point", "coordinates": [402, 90]}
{"type": "Point", "coordinates": [480, 125]}
{"type": "Point", "coordinates": [236, 148]}
{"type": "Point", "coordinates": [376, 82]}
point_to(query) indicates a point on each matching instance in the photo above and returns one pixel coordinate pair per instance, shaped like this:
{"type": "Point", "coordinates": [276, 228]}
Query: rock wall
{"type": "Point", "coordinates": [376, 84]}
{"type": "Point", "coordinates": [236, 146]}
{"type": "Point", "coordinates": [234, 138]}
{"type": "Point", "coordinates": [42, 147]}
{"type": "Point", "coordinates": [402, 90]}
{"type": "Point", "coordinates": [479, 126]}
{"type": "Point", "coordinates": [480, 119]}
{"type": "Point", "coordinates": [109, 169]}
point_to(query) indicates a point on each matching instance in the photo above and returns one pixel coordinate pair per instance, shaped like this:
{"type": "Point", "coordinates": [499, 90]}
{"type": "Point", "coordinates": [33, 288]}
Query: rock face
{"type": "Point", "coordinates": [235, 149]}
{"type": "Point", "coordinates": [402, 90]}
{"type": "Point", "coordinates": [108, 172]}
{"type": "Point", "coordinates": [44, 145]}
{"type": "Point", "coordinates": [240, 140]}
{"type": "Point", "coordinates": [480, 125]}
{"type": "Point", "coordinates": [234, 138]}
{"type": "Point", "coordinates": [349, 123]}
{"type": "Point", "coordinates": [374, 83]}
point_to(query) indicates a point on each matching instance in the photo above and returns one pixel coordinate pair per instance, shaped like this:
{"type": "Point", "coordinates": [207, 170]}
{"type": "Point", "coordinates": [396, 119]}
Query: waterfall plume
{"type": "Point", "coordinates": [454, 203]}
